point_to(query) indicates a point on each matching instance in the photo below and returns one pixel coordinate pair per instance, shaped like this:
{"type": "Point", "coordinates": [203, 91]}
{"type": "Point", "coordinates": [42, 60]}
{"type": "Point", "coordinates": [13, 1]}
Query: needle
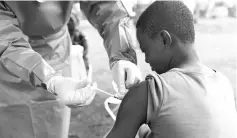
{"type": "Point", "coordinates": [104, 92]}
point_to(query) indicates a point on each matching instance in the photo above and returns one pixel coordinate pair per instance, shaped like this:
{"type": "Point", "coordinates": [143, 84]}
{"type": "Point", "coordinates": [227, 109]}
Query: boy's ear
{"type": "Point", "coordinates": [165, 35]}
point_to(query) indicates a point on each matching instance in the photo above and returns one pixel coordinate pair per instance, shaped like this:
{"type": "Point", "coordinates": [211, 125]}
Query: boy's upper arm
{"type": "Point", "coordinates": [132, 113]}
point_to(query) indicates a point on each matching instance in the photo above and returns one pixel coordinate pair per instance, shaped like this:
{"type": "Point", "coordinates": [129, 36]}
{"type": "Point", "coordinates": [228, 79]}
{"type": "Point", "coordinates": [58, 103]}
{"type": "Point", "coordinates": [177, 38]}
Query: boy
{"type": "Point", "coordinates": [184, 99]}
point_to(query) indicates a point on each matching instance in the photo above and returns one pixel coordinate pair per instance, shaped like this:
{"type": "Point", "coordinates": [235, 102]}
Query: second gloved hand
{"type": "Point", "coordinates": [72, 92]}
{"type": "Point", "coordinates": [125, 75]}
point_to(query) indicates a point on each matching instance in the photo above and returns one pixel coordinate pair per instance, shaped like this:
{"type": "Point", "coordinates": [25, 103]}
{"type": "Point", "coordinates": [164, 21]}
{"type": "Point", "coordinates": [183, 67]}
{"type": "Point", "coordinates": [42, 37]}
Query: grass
{"type": "Point", "coordinates": [216, 45]}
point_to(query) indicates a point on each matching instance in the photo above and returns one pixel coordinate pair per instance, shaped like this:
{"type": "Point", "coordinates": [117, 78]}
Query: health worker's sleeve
{"type": "Point", "coordinates": [113, 21]}
{"type": "Point", "coordinates": [16, 54]}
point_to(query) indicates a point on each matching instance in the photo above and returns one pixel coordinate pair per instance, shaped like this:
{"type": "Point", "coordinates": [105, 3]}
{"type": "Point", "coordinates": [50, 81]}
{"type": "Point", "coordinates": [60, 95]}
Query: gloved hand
{"type": "Point", "coordinates": [144, 131]}
{"type": "Point", "coordinates": [72, 92]}
{"type": "Point", "coordinates": [125, 75]}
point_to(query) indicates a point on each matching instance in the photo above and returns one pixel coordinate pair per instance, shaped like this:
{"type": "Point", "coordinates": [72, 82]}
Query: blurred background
{"type": "Point", "coordinates": [216, 31]}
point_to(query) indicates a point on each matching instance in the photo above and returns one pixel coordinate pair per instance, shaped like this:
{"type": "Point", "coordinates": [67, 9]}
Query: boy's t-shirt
{"type": "Point", "coordinates": [192, 103]}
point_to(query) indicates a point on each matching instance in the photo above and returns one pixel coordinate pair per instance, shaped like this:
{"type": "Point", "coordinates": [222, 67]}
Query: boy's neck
{"type": "Point", "coordinates": [184, 56]}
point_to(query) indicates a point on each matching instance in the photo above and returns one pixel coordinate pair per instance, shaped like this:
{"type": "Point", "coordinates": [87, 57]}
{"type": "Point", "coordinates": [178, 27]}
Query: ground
{"type": "Point", "coordinates": [216, 44]}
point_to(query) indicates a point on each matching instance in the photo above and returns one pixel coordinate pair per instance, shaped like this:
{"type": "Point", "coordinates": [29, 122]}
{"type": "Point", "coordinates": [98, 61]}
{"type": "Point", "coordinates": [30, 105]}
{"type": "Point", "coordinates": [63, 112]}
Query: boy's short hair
{"type": "Point", "coordinates": [172, 16]}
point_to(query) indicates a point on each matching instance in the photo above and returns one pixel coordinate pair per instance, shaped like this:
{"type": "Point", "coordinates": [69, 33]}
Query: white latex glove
{"type": "Point", "coordinates": [125, 70]}
{"type": "Point", "coordinates": [72, 92]}
{"type": "Point", "coordinates": [144, 131]}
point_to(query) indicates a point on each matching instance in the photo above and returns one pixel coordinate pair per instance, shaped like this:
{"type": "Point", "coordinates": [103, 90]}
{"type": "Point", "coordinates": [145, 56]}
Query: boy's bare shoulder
{"type": "Point", "coordinates": [140, 86]}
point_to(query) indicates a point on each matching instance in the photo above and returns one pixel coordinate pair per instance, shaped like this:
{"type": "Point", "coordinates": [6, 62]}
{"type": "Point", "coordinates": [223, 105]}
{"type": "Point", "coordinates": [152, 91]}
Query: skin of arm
{"type": "Point", "coordinates": [132, 113]}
